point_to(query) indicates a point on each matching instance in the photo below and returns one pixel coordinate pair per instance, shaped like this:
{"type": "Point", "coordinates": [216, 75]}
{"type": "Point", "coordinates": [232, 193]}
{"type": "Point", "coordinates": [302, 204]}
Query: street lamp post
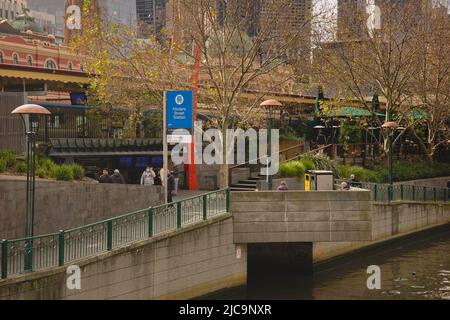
{"type": "Point", "coordinates": [270, 105]}
{"type": "Point", "coordinates": [33, 112]}
{"type": "Point", "coordinates": [390, 128]}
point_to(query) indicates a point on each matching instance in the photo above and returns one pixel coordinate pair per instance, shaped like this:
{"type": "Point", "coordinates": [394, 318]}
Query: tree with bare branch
{"type": "Point", "coordinates": [248, 49]}
{"type": "Point", "coordinates": [431, 81]}
{"type": "Point", "coordinates": [374, 59]}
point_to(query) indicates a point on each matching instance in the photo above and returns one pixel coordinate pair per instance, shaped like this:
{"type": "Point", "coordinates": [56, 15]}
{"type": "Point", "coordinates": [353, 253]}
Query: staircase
{"type": "Point", "coordinates": [250, 184]}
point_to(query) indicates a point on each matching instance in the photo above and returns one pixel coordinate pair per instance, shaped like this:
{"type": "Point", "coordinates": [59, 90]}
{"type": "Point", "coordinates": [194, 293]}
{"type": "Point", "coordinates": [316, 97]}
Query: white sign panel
{"type": "Point", "coordinates": [176, 138]}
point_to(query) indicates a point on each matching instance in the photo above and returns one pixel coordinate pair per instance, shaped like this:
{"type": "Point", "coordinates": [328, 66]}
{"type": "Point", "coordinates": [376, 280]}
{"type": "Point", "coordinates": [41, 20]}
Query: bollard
{"type": "Point", "coordinates": [4, 259]}
{"type": "Point", "coordinates": [109, 242]}
{"type": "Point", "coordinates": [205, 207]}
{"type": "Point", "coordinates": [178, 215]}
{"type": "Point", "coordinates": [228, 200]}
{"type": "Point", "coordinates": [61, 248]}
{"type": "Point", "coordinates": [150, 222]}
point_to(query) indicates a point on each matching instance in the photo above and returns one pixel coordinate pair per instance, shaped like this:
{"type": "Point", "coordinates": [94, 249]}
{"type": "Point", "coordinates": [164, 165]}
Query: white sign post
{"type": "Point", "coordinates": [165, 149]}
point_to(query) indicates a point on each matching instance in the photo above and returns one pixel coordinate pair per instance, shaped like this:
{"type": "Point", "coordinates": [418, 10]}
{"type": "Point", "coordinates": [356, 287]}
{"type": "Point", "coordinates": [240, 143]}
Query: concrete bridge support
{"type": "Point", "coordinates": [272, 260]}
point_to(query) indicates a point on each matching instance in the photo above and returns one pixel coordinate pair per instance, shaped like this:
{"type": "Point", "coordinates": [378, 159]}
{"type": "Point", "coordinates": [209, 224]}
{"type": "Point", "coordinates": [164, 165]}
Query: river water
{"type": "Point", "coordinates": [411, 269]}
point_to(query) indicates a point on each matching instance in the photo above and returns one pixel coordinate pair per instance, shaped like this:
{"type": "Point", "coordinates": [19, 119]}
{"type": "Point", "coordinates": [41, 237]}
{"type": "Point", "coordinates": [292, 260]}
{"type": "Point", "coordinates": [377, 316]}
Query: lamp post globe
{"type": "Point", "coordinates": [270, 106]}
{"type": "Point", "coordinates": [390, 127]}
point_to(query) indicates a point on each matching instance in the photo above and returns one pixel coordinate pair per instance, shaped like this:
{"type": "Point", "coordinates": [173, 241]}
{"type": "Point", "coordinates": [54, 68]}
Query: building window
{"type": "Point", "coordinates": [81, 67]}
{"type": "Point", "coordinates": [50, 64]}
{"type": "Point", "coordinates": [29, 60]}
{"type": "Point", "coordinates": [15, 58]}
{"type": "Point", "coordinates": [1, 57]}
{"type": "Point", "coordinates": [69, 65]}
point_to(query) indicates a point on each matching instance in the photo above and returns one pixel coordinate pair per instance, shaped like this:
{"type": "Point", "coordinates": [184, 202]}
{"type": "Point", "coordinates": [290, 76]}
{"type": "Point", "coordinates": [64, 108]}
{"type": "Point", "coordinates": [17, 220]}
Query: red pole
{"type": "Point", "coordinates": [192, 173]}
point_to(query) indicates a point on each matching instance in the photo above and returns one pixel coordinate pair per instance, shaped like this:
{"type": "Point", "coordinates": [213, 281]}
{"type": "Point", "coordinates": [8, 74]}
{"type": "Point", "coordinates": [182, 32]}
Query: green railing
{"type": "Point", "coordinates": [404, 192]}
{"type": "Point", "coordinates": [58, 249]}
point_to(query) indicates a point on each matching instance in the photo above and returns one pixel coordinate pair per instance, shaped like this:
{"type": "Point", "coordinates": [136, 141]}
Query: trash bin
{"type": "Point", "coordinates": [316, 180]}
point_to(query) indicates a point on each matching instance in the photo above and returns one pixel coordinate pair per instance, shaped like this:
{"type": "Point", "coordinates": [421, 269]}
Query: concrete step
{"type": "Point", "coordinates": [243, 186]}
{"type": "Point", "coordinates": [237, 189]}
{"type": "Point", "coordinates": [248, 182]}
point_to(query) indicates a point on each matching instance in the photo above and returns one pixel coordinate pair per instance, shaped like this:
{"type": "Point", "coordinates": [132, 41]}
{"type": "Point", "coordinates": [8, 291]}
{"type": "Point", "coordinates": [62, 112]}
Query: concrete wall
{"type": "Point", "coordinates": [389, 222]}
{"type": "Point", "coordinates": [192, 262]}
{"type": "Point", "coordinates": [239, 174]}
{"type": "Point", "coordinates": [270, 217]}
{"type": "Point", "coordinates": [293, 184]}
{"type": "Point", "coordinates": [62, 205]}
{"type": "Point", "coordinates": [208, 177]}
{"type": "Point", "coordinates": [440, 182]}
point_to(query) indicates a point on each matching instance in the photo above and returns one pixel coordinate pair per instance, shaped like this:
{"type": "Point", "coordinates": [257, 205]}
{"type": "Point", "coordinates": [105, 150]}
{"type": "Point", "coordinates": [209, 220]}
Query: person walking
{"type": "Point", "coordinates": [148, 177]}
{"type": "Point", "coordinates": [117, 177]}
{"type": "Point", "coordinates": [105, 177]}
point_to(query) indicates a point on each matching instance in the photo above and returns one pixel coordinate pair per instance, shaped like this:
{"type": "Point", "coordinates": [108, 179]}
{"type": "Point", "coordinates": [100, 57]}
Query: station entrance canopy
{"type": "Point", "coordinates": [12, 78]}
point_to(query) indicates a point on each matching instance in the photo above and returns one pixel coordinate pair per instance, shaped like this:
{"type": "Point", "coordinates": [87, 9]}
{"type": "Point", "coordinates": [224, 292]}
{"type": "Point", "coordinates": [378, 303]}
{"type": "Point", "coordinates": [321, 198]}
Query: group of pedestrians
{"type": "Point", "coordinates": [149, 178]}
{"type": "Point", "coordinates": [115, 178]}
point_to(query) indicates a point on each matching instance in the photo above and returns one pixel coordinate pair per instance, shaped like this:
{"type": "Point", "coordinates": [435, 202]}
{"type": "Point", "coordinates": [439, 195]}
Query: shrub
{"type": "Point", "coordinates": [288, 133]}
{"type": "Point", "coordinates": [63, 173]}
{"type": "Point", "coordinates": [50, 167]}
{"type": "Point", "coordinates": [21, 167]}
{"type": "Point", "coordinates": [401, 171]}
{"type": "Point", "coordinates": [41, 173]}
{"type": "Point", "coordinates": [2, 165]}
{"type": "Point", "coordinates": [9, 157]}
{"type": "Point", "coordinates": [308, 164]}
{"type": "Point", "coordinates": [344, 171]}
{"type": "Point", "coordinates": [77, 171]}
{"type": "Point", "coordinates": [292, 169]}
{"type": "Point", "coordinates": [321, 162]}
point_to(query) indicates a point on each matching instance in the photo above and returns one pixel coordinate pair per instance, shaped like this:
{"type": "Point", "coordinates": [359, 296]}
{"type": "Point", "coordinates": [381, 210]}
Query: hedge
{"type": "Point", "coordinates": [402, 171]}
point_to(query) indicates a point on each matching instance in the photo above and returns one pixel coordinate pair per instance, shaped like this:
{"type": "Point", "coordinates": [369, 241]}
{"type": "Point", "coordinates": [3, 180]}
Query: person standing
{"type": "Point", "coordinates": [148, 177]}
{"type": "Point", "coordinates": [158, 181]}
{"type": "Point", "coordinates": [117, 177]}
{"type": "Point", "coordinates": [354, 182]}
{"type": "Point", "coordinates": [161, 175]}
{"type": "Point", "coordinates": [283, 186]}
{"type": "Point", "coordinates": [105, 177]}
{"type": "Point", "coordinates": [170, 187]}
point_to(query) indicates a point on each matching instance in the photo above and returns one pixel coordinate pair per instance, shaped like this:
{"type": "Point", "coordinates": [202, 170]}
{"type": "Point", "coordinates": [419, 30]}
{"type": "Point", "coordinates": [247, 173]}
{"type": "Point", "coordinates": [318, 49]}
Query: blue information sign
{"type": "Point", "coordinates": [179, 109]}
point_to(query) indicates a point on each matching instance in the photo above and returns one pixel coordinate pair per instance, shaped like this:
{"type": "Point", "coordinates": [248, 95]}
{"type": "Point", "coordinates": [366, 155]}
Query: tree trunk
{"type": "Point", "coordinates": [223, 168]}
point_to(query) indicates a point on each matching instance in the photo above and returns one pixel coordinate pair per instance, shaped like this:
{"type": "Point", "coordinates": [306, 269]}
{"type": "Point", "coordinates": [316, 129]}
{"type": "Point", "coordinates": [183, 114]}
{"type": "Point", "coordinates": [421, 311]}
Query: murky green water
{"type": "Point", "coordinates": [411, 269]}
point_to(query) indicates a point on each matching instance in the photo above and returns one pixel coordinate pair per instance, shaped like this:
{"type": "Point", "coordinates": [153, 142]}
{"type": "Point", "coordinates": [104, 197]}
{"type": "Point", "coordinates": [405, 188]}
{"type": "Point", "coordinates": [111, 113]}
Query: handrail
{"type": "Point", "coordinates": [263, 157]}
{"type": "Point", "coordinates": [56, 249]}
{"type": "Point", "coordinates": [384, 192]}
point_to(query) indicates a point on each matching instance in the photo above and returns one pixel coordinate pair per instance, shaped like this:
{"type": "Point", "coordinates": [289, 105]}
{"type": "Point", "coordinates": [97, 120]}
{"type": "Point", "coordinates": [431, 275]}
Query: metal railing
{"type": "Point", "coordinates": [58, 249]}
{"type": "Point", "coordinates": [404, 192]}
